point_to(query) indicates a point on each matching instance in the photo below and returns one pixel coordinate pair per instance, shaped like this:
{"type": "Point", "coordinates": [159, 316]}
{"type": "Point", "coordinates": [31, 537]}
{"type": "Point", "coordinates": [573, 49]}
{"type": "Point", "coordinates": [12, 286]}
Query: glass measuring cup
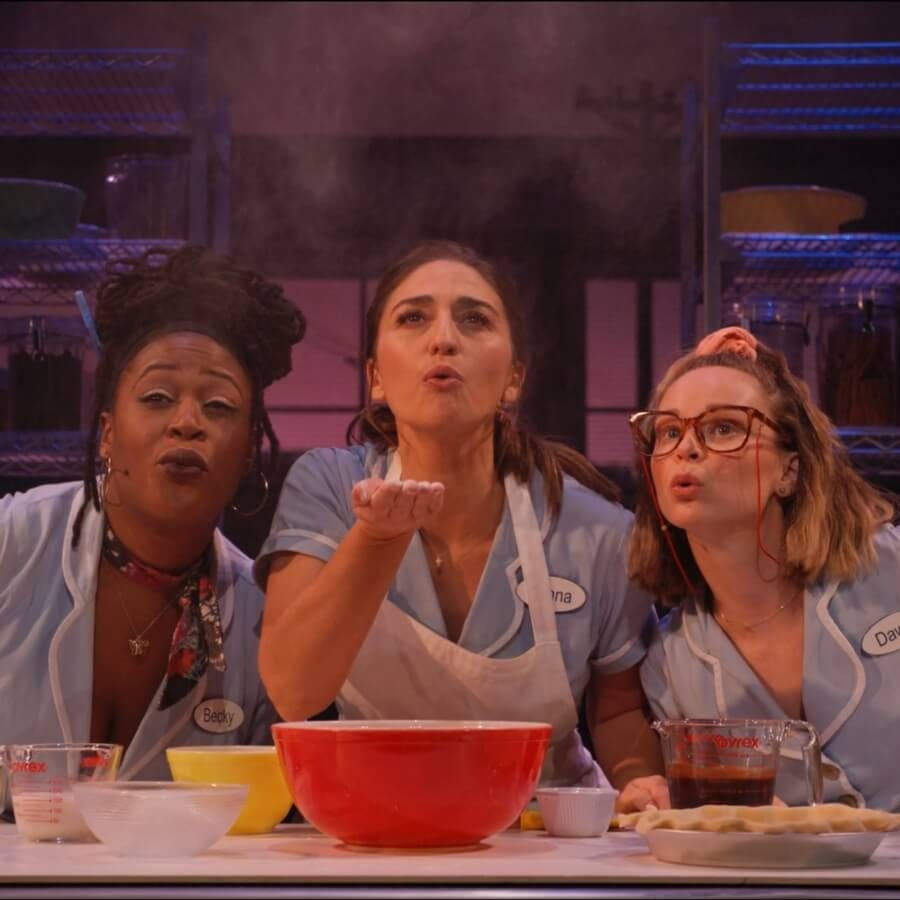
{"type": "Point", "coordinates": [732, 761]}
{"type": "Point", "coordinates": [40, 785]}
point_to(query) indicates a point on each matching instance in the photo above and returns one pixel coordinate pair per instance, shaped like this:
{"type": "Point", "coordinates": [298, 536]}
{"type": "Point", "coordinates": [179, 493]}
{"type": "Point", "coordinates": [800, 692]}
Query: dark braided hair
{"type": "Point", "coordinates": [516, 450]}
{"type": "Point", "coordinates": [190, 289]}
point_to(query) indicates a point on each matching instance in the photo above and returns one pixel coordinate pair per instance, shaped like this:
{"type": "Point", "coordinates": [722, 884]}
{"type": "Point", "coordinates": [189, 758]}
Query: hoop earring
{"type": "Point", "coordinates": [265, 496]}
{"type": "Point", "coordinates": [105, 480]}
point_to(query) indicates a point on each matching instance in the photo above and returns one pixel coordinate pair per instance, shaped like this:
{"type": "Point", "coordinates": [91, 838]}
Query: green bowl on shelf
{"type": "Point", "coordinates": [33, 210]}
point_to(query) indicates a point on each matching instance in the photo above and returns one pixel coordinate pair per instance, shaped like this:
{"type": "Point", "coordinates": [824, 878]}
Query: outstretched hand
{"type": "Point", "coordinates": [389, 509]}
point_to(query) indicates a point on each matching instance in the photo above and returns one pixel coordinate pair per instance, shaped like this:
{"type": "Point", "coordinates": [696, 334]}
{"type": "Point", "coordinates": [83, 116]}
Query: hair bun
{"type": "Point", "coordinates": [728, 340]}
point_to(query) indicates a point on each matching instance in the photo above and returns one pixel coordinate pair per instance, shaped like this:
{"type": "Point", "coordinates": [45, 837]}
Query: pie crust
{"type": "Point", "coordinates": [824, 818]}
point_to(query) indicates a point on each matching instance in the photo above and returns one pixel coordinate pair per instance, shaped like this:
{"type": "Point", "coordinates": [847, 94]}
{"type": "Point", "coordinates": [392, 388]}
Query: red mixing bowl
{"type": "Point", "coordinates": [416, 783]}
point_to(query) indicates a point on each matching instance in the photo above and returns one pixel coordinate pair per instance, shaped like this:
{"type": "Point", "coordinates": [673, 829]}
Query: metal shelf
{"type": "Point", "coordinates": [875, 452]}
{"type": "Point", "coordinates": [42, 454]}
{"type": "Point", "coordinates": [767, 90]}
{"type": "Point", "coordinates": [39, 272]}
{"type": "Point", "coordinates": [110, 93]}
{"type": "Point", "coordinates": [799, 265]}
{"type": "Point", "coordinates": [771, 89]}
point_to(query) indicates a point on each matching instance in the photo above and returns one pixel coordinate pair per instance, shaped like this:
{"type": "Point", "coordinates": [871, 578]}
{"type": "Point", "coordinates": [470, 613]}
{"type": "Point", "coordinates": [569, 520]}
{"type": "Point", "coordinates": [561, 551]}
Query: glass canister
{"type": "Point", "coordinates": [42, 361]}
{"type": "Point", "coordinates": [857, 355]}
{"type": "Point", "coordinates": [780, 323]}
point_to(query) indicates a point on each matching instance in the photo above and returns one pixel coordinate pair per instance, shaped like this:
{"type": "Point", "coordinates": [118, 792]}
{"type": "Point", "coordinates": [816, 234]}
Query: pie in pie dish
{"type": "Point", "coordinates": [825, 818]}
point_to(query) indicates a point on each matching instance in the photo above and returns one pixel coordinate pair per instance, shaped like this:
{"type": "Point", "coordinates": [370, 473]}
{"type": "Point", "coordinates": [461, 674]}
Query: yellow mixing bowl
{"type": "Point", "coordinates": [257, 767]}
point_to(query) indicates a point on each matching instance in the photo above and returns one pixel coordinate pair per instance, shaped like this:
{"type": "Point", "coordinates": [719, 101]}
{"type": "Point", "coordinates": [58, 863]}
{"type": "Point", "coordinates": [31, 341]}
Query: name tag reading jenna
{"type": "Point", "coordinates": [218, 715]}
{"type": "Point", "coordinates": [883, 637]}
{"type": "Point", "coordinates": [567, 595]}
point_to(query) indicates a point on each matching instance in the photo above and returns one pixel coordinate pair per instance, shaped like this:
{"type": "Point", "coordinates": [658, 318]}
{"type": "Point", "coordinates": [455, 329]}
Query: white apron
{"type": "Point", "coordinates": [404, 670]}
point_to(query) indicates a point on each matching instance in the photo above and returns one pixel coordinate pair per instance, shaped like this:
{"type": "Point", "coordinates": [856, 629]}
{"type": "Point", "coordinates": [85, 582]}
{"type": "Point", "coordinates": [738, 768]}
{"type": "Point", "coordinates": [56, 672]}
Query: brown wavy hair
{"type": "Point", "coordinates": [517, 451]}
{"type": "Point", "coordinates": [830, 520]}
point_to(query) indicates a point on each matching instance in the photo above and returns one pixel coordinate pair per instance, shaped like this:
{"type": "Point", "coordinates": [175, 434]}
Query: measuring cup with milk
{"type": "Point", "coordinates": [40, 777]}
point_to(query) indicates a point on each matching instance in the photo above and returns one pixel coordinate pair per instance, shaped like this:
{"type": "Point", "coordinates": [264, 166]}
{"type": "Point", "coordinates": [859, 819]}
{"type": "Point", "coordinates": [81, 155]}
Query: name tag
{"type": "Point", "coordinates": [218, 715]}
{"type": "Point", "coordinates": [567, 595]}
{"type": "Point", "coordinates": [883, 637]}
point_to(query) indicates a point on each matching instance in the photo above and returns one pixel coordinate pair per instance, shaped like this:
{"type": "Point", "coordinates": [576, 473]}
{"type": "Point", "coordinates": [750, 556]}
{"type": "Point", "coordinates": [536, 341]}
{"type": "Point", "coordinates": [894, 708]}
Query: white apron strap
{"type": "Point", "coordinates": [536, 584]}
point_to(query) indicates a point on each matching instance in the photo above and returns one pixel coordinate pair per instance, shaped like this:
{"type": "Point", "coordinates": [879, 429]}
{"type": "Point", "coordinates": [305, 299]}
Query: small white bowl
{"type": "Point", "coordinates": [159, 818]}
{"type": "Point", "coordinates": [576, 811]}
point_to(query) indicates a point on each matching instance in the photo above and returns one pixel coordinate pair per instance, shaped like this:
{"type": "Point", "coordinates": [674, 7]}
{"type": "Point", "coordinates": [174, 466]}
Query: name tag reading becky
{"type": "Point", "coordinates": [567, 595]}
{"type": "Point", "coordinates": [218, 715]}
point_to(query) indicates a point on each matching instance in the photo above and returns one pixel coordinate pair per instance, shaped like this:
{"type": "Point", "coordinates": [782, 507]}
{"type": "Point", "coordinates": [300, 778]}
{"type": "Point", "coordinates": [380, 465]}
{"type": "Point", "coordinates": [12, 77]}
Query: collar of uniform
{"type": "Point", "coordinates": [81, 564]}
{"type": "Point", "coordinates": [829, 705]}
{"type": "Point", "coordinates": [739, 691]}
{"type": "Point", "coordinates": [827, 709]}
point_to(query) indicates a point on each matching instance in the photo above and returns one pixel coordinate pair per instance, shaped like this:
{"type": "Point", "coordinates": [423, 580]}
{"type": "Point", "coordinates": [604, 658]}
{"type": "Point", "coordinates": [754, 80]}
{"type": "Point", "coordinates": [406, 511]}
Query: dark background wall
{"type": "Point", "coordinates": [518, 127]}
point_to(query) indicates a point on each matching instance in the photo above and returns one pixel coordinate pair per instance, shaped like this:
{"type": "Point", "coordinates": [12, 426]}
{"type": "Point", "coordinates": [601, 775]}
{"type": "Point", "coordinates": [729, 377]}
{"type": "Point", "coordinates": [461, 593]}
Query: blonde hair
{"type": "Point", "coordinates": [830, 520]}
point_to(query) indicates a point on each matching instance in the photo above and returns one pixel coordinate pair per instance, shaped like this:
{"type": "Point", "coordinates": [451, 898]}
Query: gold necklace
{"type": "Point", "coordinates": [139, 645]}
{"type": "Point", "coordinates": [725, 620]}
{"type": "Point", "coordinates": [436, 558]}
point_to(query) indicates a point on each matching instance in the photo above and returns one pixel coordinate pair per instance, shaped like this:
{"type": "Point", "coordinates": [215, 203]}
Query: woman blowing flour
{"type": "Point", "coordinates": [451, 565]}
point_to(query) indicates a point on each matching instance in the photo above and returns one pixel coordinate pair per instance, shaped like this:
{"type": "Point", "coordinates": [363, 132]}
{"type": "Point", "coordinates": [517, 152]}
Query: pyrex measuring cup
{"type": "Point", "coordinates": [40, 779]}
{"type": "Point", "coordinates": [732, 761]}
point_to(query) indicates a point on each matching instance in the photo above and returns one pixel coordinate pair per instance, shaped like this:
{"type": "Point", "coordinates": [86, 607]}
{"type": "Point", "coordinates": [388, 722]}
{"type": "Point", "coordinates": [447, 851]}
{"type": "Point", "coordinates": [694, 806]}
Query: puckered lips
{"type": "Point", "coordinates": [685, 486]}
{"type": "Point", "coordinates": [183, 464]}
{"type": "Point", "coordinates": [442, 378]}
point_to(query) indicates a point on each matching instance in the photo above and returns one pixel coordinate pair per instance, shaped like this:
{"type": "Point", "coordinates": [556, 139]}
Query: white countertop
{"type": "Point", "coordinates": [297, 854]}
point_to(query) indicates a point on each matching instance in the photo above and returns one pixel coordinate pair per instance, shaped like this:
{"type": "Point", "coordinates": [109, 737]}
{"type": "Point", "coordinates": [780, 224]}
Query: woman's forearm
{"type": "Point", "coordinates": [318, 615]}
{"type": "Point", "coordinates": [626, 747]}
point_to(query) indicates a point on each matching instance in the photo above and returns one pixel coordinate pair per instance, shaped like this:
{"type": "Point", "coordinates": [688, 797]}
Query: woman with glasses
{"type": "Point", "coordinates": [451, 565]}
{"type": "Point", "coordinates": [779, 562]}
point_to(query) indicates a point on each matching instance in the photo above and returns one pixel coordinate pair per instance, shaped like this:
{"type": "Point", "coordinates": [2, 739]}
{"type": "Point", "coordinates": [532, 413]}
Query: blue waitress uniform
{"type": "Point", "coordinates": [47, 590]}
{"type": "Point", "coordinates": [851, 680]}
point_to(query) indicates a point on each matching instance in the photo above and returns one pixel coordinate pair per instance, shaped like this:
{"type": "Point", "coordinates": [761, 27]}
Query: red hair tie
{"type": "Point", "coordinates": [728, 340]}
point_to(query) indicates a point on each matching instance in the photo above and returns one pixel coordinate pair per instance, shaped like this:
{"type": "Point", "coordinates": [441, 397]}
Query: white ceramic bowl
{"type": "Point", "coordinates": [576, 811]}
{"type": "Point", "coordinates": [159, 818]}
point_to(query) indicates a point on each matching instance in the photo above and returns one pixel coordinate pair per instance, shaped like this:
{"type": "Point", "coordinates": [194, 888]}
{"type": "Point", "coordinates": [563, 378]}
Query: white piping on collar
{"type": "Point", "coordinates": [81, 602]}
{"type": "Point", "coordinates": [709, 659]}
{"type": "Point", "coordinates": [188, 704]}
{"type": "Point", "coordinates": [841, 640]}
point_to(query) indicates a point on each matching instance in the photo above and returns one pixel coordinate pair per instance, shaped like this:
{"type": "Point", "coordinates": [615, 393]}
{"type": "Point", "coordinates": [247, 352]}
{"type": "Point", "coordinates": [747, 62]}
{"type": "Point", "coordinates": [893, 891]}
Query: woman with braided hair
{"type": "Point", "coordinates": [125, 615]}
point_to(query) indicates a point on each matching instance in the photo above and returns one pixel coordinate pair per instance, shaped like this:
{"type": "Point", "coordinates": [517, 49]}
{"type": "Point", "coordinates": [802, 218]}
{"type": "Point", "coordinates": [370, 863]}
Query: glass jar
{"type": "Point", "coordinates": [41, 361]}
{"type": "Point", "coordinates": [857, 355]}
{"type": "Point", "coordinates": [780, 323]}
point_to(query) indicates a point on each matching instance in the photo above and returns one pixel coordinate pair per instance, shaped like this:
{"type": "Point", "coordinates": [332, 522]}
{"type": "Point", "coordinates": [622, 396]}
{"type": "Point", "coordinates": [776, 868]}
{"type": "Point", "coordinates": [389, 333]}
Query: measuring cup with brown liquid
{"type": "Point", "coordinates": [732, 761]}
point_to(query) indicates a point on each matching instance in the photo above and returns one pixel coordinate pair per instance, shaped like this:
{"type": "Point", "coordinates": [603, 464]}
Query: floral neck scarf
{"type": "Point", "coordinates": [197, 639]}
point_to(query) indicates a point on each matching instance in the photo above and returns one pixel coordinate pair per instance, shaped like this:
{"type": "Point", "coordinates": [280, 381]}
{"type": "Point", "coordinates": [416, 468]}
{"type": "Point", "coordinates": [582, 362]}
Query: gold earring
{"type": "Point", "coordinates": [105, 481]}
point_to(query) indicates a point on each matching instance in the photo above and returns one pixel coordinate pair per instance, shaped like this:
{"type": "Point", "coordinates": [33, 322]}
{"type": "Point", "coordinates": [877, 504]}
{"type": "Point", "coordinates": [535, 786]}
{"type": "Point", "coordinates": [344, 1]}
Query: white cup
{"type": "Point", "coordinates": [576, 811]}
